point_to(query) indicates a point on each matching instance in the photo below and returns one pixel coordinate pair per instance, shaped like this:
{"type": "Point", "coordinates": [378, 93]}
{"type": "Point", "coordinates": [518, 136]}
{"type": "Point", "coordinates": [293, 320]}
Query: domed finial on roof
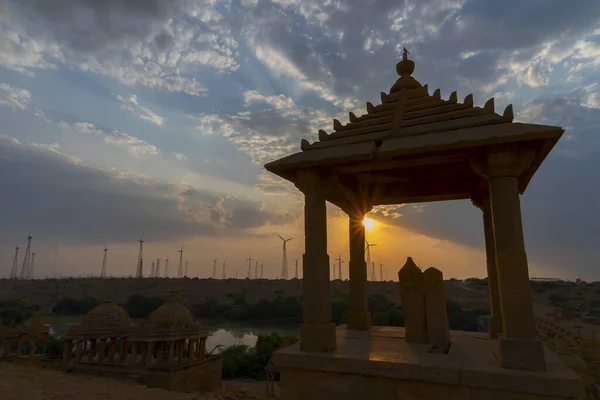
{"type": "Point", "coordinates": [405, 67]}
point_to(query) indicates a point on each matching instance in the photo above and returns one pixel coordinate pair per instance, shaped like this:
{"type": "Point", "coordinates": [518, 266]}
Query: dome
{"type": "Point", "coordinates": [108, 316]}
{"type": "Point", "coordinates": [171, 315]}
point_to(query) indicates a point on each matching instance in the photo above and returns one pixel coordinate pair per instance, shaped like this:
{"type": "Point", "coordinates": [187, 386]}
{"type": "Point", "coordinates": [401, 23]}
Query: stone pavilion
{"type": "Point", "coordinates": [168, 350]}
{"type": "Point", "coordinates": [418, 147]}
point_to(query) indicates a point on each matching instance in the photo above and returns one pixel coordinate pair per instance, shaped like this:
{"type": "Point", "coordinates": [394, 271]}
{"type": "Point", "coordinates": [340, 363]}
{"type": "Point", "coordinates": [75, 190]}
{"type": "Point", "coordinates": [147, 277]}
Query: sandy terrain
{"type": "Point", "coordinates": [22, 383]}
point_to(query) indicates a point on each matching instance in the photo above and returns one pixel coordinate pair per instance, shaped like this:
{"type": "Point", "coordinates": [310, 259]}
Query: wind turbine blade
{"type": "Point", "coordinates": [280, 237]}
{"type": "Point", "coordinates": [289, 239]}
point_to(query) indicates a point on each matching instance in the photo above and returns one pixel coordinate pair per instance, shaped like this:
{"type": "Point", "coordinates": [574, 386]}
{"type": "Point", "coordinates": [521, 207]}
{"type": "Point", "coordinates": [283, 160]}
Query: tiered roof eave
{"type": "Point", "coordinates": [410, 121]}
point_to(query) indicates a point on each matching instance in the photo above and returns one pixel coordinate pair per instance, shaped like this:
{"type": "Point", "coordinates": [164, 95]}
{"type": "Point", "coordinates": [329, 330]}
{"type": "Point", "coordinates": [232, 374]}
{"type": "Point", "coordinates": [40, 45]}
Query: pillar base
{"type": "Point", "coordinates": [317, 338]}
{"type": "Point", "coordinates": [495, 327]}
{"type": "Point", "coordinates": [523, 354]}
{"type": "Point", "coordinates": [359, 320]}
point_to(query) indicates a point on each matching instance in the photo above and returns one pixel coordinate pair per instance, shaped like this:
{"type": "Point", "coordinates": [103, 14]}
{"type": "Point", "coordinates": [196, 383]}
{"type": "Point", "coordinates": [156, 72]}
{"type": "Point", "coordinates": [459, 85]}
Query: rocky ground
{"type": "Point", "coordinates": [30, 383]}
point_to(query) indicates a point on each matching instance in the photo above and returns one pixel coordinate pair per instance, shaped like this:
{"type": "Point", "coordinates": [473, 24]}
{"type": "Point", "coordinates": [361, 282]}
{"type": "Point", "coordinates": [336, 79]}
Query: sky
{"type": "Point", "coordinates": [122, 119]}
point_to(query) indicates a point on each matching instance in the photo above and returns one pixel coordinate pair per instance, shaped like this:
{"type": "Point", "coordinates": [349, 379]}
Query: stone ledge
{"type": "Point", "coordinates": [471, 366]}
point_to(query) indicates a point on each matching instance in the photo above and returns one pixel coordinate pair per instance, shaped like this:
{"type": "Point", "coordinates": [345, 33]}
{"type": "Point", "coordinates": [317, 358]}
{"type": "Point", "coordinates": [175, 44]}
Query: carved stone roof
{"type": "Point", "coordinates": [412, 123]}
{"type": "Point", "coordinates": [36, 327]}
{"type": "Point", "coordinates": [105, 320]}
{"type": "Point", "coordinates": [170, 321]}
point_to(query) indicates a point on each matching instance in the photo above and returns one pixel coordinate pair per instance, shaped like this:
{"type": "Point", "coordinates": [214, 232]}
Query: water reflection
{"type": "Point", "coordinates": [220, 336]}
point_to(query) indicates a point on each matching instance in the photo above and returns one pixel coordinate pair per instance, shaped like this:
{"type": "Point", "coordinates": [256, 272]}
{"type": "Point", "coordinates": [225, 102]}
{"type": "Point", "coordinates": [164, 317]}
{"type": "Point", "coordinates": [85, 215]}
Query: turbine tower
{"type": "Point", "coordinates": [139, 273]}
{"type": "Point", "coordinates": [103, 270]}
{"type": "Point", "coordinates": [157, 270]}
{"type": "Point", "coordinates": [186, 263]}
{"type": "Point", "coordinates": [223, 271]}
{"type": "Point", "coordinates": [368, 250]}
{"type": "Point", "coordinates": [249, 266]}
{"type": "Point", "coordinates": [167, 267]}
{"type": "Point", "coordinates": [13, 270]}
{"type": "Point", "coordinates": [214, 269]}
{"type": "Point", "coordinates": [31, 266]}
{"type": "Point", "coordinates": [54, 265]}
{"type": "Point", "coordinates": [381, 272]}
{"type": "Point", "coordinates": [296, 261]}
{"type": "Point", "coordinates": [256, 270]}
{"type": "Point", "coordinates": [26, 260]}
{"type": "Point", "coordinates": [284, 266]}
{"type": "Point", "coordinates": [180, 269]}
{"type": "Point", "coordinates": [261, 271]}
{"type": "Point", "coordinates": [153, 270]}
{"type": "Point", "coordinates": [340, 267]}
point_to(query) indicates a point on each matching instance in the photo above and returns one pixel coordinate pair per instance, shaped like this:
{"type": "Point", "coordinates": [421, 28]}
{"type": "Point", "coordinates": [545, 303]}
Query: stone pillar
{"type": "Point", "coordinates": [32, 344]}
{"type": "Point", "coordinates": [133, 357]}
{"type": "Point", "coordinates": [518, 346]}
{"type": "Point", "coordinates": [171, 352]}
{"type": "Point", "coordinates": [317, 333]}
{"type": "Point", "coordinates": [68, 351]}
{"type": "Point", "coordinates": [412, 294]}
{"type": "Point", "coordinates": [149, 353]}
{"type": "Point", "coordinates": [436, 313]}
{"type": "Point", "coordinates": [123, 351]}
{"type": "Point", "coordinates": [101, 347]}
{"type": "Point", "coordinates": [7, 342]}
{"type": "Point", "coordinates": [495, 323]}
{"type": "Point", "coordinates": [112, 349]}
{"type": "Point", "coordinates": [78, 350]}
{"type": "Point", "coordinates": [92, 352]}
{"type": "Point", "coordinates": [359, 317]}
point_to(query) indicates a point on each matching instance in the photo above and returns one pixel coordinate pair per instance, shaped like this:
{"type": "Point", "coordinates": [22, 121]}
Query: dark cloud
{"type": "Point", "coordinates": [90, 25]}
{"type": "Point", "coordinates": [57, 198]}
{"type": "Point", "coordinates": [560, 206]}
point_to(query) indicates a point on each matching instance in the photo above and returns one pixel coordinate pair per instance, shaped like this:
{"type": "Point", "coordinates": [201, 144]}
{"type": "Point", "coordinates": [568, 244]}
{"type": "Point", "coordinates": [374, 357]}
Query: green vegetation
{"type": "Point", "coordinates": [16, 309]}
{"type": "Point", "coordinates": [140, 306]}
{"type": "Point", "coordinates": [242, 361]}
{"type": "Point", "coordinates": [281, 310]}
{"type": "Point", "coordinates": [558, 299]}
{"type": "Point", "coordinates": [70, 306]}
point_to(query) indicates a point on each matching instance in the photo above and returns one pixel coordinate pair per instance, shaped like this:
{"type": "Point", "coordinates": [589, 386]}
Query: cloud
{"type": "Point", "coordinates": [13, 97]}
{"type": "Point", "coordinates": [131, 104]}
{"type": "Point", "coordinates": [180, 156]}
{"type": "Point", "coordinates": [134, 145]}
{"type": "Point", "coordinates": [55, 195]}
{"type": "Point", "coordinates": [158, 44]}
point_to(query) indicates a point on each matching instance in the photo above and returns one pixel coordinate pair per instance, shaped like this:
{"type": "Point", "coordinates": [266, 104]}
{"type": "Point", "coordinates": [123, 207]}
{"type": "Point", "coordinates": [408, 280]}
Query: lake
{"type": "Point", "coordinates": [222, 334]}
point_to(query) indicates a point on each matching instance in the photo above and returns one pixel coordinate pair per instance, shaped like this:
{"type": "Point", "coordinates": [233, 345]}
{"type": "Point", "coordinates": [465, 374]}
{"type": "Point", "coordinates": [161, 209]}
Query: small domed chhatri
{"type": "Point", "coordinates": [171, 315]}
{"type": "Point", "coordinates": [105, 320]}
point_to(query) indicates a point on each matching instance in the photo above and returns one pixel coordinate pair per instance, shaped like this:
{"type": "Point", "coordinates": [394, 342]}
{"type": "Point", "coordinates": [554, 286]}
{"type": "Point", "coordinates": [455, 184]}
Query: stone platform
{"type": "Point", "coordinates": [379, 365]}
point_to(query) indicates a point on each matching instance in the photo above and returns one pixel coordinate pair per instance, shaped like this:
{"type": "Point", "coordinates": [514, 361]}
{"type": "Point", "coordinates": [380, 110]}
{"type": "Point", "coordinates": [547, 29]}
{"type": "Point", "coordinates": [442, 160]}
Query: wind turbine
{"type": "Point", "coordinates": [223, 272]}
{"type": "Point", "coordinates": [249, 266]}
{"type": "Point", "coordinates": [157, 270]}
{"type": "Point", "coordinates": [261, 271]}
{"type": "Point", "coordinates": [186, 263]}
{"type": "Point", "coordinates": [139, 273]}
{"type": "Point", "coordinates": [103, 270]}
{"type": "Point", "coordinates": [368, 251]}
{"type": "Point", "coordinates": [31, 265]}
{"type": "Point", "coordinates": [27, 259]}
{"type": "Point", "coordinates": [180, 270]}
{"type": "Point", "coordinates": [167, 267]}
{"type": "Point", "coordinates": [15, 267]}
{"type": "Point", "coordinates": [256, 270]}
{"type": "Point", "coordinates": [296, 261]}
{"type": "Point", "coordinates": [381, 272]}
{"type": "Point", "coordinates": [153, 270]}
{"type": "Point", "coordinates": [214, 268]}
{"type": "Point", "coordinates": [284, 266]}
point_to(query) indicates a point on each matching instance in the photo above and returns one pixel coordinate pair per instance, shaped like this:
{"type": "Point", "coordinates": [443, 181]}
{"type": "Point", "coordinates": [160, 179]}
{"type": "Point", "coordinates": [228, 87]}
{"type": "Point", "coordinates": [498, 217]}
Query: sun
{"type": "Point", "coordinates": [368, 223]}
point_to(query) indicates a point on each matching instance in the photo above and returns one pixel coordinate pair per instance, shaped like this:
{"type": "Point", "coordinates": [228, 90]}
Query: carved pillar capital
{"type": "Point", "coordinates": [480, 198]}
{"type": "Point", "coordinates": [502, 161]}
{"type": "Point", "coordinates": [310, 181]}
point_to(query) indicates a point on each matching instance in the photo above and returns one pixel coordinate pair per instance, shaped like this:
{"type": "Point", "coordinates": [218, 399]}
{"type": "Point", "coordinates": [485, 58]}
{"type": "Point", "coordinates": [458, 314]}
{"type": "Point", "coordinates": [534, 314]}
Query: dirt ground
{"type": "Point", "coordinates": [29, 383]}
